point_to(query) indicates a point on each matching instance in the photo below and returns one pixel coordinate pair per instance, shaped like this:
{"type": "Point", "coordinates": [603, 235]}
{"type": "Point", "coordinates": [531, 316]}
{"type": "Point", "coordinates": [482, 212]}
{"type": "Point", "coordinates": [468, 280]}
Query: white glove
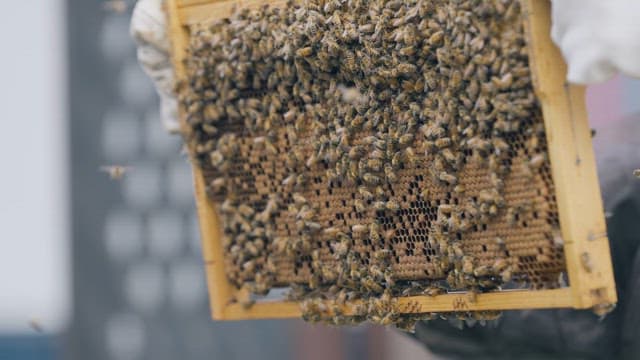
{"type": "Point", "coordinates": [598, 38]}
{"type": "Point", "coordinates": [148, 29]}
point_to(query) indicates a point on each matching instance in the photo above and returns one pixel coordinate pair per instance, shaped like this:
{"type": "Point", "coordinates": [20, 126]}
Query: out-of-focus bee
{"type": "Point", "coordinates": [115, 6]}
{"type": "Point", "coordinates": [36, 325]}
{"type": "Point", "coordinates": [116, 172]}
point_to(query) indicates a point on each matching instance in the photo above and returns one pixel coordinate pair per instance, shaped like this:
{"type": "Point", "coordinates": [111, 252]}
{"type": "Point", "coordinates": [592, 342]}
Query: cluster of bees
{"type": "Point", "coordinates": [354, 95]}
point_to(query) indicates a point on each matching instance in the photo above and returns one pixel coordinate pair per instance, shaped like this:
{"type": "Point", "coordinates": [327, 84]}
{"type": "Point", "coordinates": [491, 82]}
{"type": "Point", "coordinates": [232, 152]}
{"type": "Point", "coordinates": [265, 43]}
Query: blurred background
{"type": "Point", "coordinates": [92, 268]}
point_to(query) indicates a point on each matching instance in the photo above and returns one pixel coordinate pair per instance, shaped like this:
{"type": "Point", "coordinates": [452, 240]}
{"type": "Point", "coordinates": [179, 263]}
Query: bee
{"type": "Point", "coordinates": [506, 275]}
{"type": "Point", "coordinates": [390, 173]}
{"type": "Point", "coordinates": [115, 6]}
{"type": "Point", "coordinates": [352, 95]}
{"type": "Point", "coordinates": [482, 270]}
{"type": "Point", "coordinates": [503, 82]}
{"type": "Point", "coordinates": [304, 52]}
{"type": "Point", "coordinates": [209, 129]}
{"type": "Point", "coordinates": [636, 173]}
{"type": "Point", "coordinates": [246, 210]}
{"type": "Point", "coordinates": [537, 161]}
{"type": "Point", "coordinates": [365, 193]}
{"type": "Point", "coordinates": [443, 142]}
{"type": "Point", "coordinates": [298, 199]}
{"type": "Point", "coordinates": [371, 179]}
{"type": "Point", "coordinates": [586, 262]}
{"type": "Point", "coordinates": [359, 228]}
{"type": "Point", "coordinates": [216, 158]}
{"type": "Point", "coordinates": [468, 265]}
{"type": "Point", "coordinates": [448, 155]}
{"type": "Point", "coordinates": [289, 181]}
{"type": "Point", "coordinates": [434, 290]}
{"type": "Point", "coordinates": [447, 178]}
{"type": "Point", "coordinates": [603, 309]}
{"type": "Point", "coordinates": [359, 206]}
{"type": "Point", "coordinates": [436, 38]}
{"type": "Point", "coordinates": [405, 139]}
{"type": "Point", "coordinates": [305, 214]}
{"type": "Point", "coordinates": [36, 325]}
{"type": "Point", "coordinates": [356, 152]}
{"type": "Point", "coordinates": [116, 172]}
{"type": "Point", "coordinates": [371, 285]}
{"type": "Point", "coordinates": [383, 255]}
{"type": "Point", "coordinates": [379, 205]}
{"type": "Point", "coordinates": [392, 205]}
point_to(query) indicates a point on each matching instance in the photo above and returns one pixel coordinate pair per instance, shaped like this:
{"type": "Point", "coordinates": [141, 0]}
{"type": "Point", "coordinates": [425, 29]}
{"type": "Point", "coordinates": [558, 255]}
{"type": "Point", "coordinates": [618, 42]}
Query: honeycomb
{"type": "Point", "coordinates": [361, 149]}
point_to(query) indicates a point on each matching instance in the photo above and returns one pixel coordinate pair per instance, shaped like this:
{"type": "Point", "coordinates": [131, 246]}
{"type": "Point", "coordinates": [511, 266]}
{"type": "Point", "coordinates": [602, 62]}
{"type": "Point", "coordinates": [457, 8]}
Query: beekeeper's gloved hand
{"type": "Point", "coordinates": [598, 38]}
{"type": "Point", "coordinates": [148, 29]}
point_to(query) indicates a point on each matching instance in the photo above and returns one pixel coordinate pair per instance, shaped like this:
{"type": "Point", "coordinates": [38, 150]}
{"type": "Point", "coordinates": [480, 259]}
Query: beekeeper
{"type": "Point", "coordinates": [598, 40]}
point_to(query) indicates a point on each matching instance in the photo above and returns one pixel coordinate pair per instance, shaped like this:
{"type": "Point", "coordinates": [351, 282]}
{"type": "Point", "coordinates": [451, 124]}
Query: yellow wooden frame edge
{"type": "Point", "coordinates": [573, 169]}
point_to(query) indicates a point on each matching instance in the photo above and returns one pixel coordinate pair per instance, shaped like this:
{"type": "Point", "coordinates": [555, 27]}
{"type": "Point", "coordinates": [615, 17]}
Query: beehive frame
{"type": "Point", "coordinates": [573, 170]}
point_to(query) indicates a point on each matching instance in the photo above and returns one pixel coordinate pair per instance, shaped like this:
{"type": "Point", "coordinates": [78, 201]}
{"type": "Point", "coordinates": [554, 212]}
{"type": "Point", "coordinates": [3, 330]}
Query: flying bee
{"type": "Point", "coordinates": [36, 325]}
{"type": "Point", "coordinates": [115, 6]}
{"type": "Point", "coordinates": [116, 172]}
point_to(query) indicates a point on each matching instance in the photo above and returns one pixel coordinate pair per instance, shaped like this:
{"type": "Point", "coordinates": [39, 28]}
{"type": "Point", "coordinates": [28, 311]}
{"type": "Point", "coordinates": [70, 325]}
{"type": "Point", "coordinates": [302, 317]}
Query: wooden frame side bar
{"type": "Point", "coordinates": [572, 163]}
{"type": "Point", "coordinates": [220, 291]}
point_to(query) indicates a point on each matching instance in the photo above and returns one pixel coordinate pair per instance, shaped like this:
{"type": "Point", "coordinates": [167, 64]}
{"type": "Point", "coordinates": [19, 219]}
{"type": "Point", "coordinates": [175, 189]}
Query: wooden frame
{"type": "Point", "coordinates": [573, 170]}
